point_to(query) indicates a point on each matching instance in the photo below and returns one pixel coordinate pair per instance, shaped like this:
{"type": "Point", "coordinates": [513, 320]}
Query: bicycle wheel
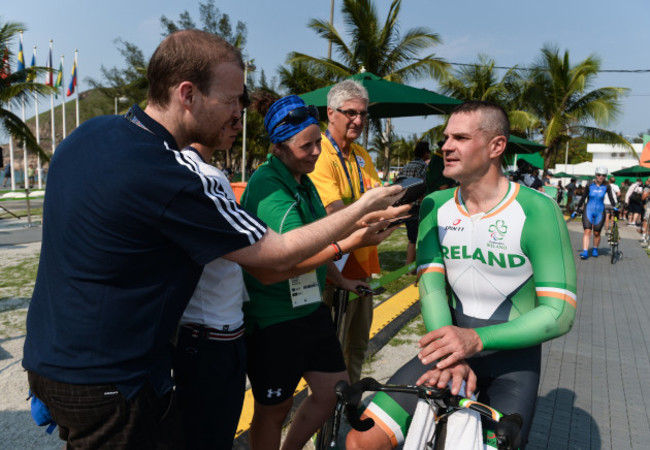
{"type": "Point", "coordinates": [614, 252]}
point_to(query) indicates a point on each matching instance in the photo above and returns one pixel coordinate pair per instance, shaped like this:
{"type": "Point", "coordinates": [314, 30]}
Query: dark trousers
{"type": "Point", "coordinates": [98, 416]}
{"type": "Point", "coordinates": [210, 378]}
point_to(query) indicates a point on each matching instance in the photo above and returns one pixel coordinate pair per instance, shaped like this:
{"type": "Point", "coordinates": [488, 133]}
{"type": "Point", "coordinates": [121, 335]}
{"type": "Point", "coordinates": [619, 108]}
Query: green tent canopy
{"type": "Point", "coordinates": [388, 99]}
{"type": "Point", "coordinates": [535, 159]}
{"type": "Point", "coordinates": [634, 171]}
{"type": "Point", "coordinates": [521, 145]}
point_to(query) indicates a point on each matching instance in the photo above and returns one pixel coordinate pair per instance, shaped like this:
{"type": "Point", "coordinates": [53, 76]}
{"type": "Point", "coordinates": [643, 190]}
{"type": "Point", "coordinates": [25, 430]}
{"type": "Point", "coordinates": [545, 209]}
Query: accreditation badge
{"type": "Point", "coordinates": [304, 289]}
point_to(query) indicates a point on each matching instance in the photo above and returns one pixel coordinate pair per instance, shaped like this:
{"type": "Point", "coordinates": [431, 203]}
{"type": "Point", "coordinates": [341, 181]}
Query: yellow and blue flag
{"type": "Point", "coordinates": [73, 81]}
{"type": "Point", "coordinates": [32, 76]}
{"type": "Point", "coordinates": [21, 58]}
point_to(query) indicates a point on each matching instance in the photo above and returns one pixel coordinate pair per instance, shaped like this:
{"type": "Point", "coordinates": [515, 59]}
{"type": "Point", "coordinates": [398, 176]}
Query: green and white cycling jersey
{"type": "Point", "coordinates": [512, 278]}
{"type": "Point", "coordinates": [512, 265]}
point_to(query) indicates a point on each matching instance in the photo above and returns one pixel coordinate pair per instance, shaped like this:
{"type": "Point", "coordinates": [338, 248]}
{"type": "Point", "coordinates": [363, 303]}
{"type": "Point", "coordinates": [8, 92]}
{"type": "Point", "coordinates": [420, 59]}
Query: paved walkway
{"type": "Point", "coordinates": [595, 387]}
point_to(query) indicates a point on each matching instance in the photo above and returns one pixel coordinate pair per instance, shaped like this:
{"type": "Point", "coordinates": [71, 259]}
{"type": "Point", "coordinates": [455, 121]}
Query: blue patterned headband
{"type": "Point", "coordinates": [288, 117]}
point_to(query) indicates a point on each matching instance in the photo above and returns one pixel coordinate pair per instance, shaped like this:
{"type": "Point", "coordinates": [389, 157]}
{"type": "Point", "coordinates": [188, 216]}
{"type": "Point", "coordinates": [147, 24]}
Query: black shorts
{"type": "Point", "coordinates": [413, 224]}
{"type": "Point", "coordinates": [279, 355]}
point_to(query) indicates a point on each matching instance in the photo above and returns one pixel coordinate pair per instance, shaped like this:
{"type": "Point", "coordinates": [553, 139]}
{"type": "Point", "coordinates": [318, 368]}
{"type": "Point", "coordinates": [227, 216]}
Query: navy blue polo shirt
{"type": "Point", "coordinates": [128, 223]}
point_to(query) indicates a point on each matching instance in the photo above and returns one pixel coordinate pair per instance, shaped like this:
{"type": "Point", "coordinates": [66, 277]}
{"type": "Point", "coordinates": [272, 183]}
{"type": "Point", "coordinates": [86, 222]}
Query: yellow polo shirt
{"type": "Point", "coordinates": [332, 183]}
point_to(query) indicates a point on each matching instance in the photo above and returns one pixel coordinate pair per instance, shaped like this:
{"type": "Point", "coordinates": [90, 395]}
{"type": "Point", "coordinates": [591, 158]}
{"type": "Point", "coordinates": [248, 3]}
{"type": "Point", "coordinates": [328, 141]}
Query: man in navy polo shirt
{"type": "Point", "coordinates": [129, 223]}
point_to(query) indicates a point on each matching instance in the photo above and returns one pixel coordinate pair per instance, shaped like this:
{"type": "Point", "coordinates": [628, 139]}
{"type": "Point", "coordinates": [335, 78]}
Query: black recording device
{"type": "Point", "coordinates": [415, 188]}
{"type": "Point", "coordinates": [369, 291]}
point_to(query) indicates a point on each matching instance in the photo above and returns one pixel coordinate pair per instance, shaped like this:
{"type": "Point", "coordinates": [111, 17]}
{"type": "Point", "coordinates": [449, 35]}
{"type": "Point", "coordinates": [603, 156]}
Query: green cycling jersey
{"type": "Point", "coordinates": [512, 266]}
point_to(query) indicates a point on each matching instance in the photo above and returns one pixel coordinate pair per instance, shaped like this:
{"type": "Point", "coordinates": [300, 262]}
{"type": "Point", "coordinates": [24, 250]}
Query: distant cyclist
{"type": "Point", "coordinates": [593, 216]}
{"type": "Point", "coordinates": [496, 279]}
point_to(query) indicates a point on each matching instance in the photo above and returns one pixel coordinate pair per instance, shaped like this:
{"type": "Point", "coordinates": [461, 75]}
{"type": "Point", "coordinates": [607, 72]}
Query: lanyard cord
{"type": "Point", "coordinates": [345, 166]}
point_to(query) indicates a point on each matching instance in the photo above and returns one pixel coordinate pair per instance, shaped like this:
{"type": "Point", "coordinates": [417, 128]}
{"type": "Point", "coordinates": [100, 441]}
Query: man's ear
{"type": "Point", "coordinates": [498, 146]}
{"type": "Point", "coordinates": [186, 92]}
{"type": "Point", "coordinates": [330, 113]}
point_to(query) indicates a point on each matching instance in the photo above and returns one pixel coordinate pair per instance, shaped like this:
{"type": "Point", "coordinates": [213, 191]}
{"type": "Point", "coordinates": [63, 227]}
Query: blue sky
{"type": "Point", "coordinates": [510, 31]}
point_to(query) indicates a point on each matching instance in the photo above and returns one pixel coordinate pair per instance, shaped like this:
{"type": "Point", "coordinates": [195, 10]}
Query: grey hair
{"type": "Point", "coordinates": [344, 91]}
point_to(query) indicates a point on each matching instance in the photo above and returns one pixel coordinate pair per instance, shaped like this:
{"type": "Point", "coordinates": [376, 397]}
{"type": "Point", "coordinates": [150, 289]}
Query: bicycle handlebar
{"type": "Point", "coordinates": [349, 396]}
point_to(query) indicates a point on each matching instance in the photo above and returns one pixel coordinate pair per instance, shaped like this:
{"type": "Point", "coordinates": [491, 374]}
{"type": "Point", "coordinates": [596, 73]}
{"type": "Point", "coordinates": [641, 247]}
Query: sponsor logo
{"type": "Point", "coordinates": [491, 258]}
{"type": "Point", "coordinates": [361, 161]}
{"type": "Point", "coordinates": [455, 226]}
{"type": "Point", "coordinates": [270, 392]}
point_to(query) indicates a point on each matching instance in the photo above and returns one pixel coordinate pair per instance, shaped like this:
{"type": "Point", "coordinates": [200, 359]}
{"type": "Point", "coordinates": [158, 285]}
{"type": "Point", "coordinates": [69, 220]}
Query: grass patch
{"type": "Point", "coordinates": [18, 280]}
{"type": "Point", "coordinates": [22, 212]}
{"type": "Point", "coordinates": [410, 333]}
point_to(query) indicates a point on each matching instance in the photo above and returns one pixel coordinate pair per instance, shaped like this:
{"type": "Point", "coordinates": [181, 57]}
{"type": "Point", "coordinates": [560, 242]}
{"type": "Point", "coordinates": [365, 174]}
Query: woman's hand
{"type": "Point", "coordinates": [351, 285]}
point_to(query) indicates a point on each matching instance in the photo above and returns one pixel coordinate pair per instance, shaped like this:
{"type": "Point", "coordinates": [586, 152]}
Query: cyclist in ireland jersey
{"type": "Point", "coordinates": [593, 216]}
{"type": "Point", "coordinates": [496, 279]}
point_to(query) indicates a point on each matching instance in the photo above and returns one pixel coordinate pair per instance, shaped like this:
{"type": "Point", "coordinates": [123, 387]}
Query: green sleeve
{"type": "Point", "coordinates": [431, 273]}
{"type": "Point", "coordinates": [545, 240]}
{"type": "Point", "coordinates": [266, 196]}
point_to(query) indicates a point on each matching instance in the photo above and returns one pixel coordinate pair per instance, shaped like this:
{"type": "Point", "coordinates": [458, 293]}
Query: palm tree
{"type": "Point", "coordinates": [15, 91]}
{"type": "Point", "coordinates": [559, 95]}
{"type": "Point", "coordinates": [377, 47]}
{"type": "Point", "coordinates": [480, 81]}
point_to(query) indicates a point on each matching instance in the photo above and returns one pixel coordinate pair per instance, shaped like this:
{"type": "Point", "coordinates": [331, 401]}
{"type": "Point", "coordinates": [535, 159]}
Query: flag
{"type": "Point", "coordinates": [21, 58]}
{"type": "Point", "coordinates": [49, 77]}
{"type": "Point", "coordinates": [73, 81]}
{"type": "Point", "coordinates": [31, 76]}
{"type": "Point", "coordinates": [59, 76]}
{"type": "Point", "coordinates": [645, 154]}
{"type": "Point", "coordinates": [5, 70]}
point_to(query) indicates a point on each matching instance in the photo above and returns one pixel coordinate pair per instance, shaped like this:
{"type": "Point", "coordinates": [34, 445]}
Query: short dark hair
{"type": "Point", "coordinates": [421, 148]}
{"type": "Point", "coordinates": [187, 55]}
{"type": "Point", "coordinates": [494, 119]}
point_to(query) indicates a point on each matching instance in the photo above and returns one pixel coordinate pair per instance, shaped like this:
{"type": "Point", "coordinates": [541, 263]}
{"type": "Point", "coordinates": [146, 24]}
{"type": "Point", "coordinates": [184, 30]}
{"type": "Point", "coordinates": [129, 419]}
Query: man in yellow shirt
{"type": "Point", "coordinates": [344, 171]}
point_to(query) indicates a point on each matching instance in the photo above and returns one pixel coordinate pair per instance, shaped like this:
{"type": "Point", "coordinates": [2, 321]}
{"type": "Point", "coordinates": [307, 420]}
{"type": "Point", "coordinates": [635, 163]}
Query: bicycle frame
{"type": "Point", "coordinates": [614, 238]}
{"type": "Point", "coordinates": [348, 397]}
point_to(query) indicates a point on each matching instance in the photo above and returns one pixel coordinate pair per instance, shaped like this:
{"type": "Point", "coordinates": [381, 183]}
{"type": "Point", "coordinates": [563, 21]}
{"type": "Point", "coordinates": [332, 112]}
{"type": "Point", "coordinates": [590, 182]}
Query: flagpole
{"type": "Point", "coordinates": [38, 134]}
{"type": "Point", "coordinates": [76, 74]}
{"type": "Point", "coordinates": [11, 156]}
{"type": "Point", "coordinates": [52, 105]}
{"type": "Point", "coordinates": [63, 98]}
{"type": "Point", "coordinates": [25, 179]}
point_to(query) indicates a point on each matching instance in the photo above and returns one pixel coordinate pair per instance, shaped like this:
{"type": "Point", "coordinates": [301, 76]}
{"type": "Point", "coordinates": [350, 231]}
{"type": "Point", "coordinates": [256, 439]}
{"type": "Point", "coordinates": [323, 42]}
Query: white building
{"type": "Point", "coordinates": [614, 157]}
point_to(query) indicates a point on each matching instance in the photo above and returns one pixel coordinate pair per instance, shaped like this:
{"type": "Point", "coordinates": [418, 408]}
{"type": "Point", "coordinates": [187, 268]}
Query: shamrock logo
{"type": "Point", "coordinates": [498, 230]}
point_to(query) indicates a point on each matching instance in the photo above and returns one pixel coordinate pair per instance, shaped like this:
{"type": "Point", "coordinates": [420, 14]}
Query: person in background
{"type": "Point", "coordinates": [645, 198]}
{"type": "Point", "coordinates": [122, 255]}
{"type": "Point", "coordinates": [560, 193]}
{"type": "Point", "coordinates": [571, 195]}
{"type": "Point", "coordinates": [6, 174]}
{"type": "Point", "coordinates": [593, 216]}
{"type": "Point", "coordinates": [344, 171]}
{"type": "Point", "coordinates": [634, 203]}
{"type": "Point", "coordinates": [625, 185]}
{"type": "Point", "coordinates": [609, 208]}
{"type": "Point", "coordinates": [31, 172]}
{"type": "Point", "coordinates": [289, 331]}
{"type": "Point", "coordinates": [209, 363]}
{"type": "Point", "coordinates": [416, 168]}
{"type": "Point", "coordinates": [434, 179]}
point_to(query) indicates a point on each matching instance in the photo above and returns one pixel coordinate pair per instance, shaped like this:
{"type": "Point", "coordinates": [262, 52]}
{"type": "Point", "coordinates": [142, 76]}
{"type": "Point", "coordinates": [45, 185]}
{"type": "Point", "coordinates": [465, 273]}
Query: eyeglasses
{"type": "Point", "coordinates": [298, 115]}
{"type": "Point", "coordinates": [352, 113]}
{"type": "Point", "coordinates": [601, 174]}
